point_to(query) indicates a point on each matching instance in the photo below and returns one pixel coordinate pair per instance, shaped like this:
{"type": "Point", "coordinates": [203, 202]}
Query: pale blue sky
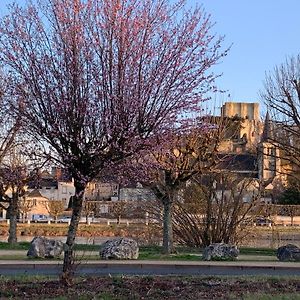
{"type": "Point", "coordinates": [263, 33]}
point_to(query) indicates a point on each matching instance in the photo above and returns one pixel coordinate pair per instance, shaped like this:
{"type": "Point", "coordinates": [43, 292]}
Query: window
{"type": "Point", "coordinates": [271, 151]}
{"type": "Point", "coordinates": [272, 165]}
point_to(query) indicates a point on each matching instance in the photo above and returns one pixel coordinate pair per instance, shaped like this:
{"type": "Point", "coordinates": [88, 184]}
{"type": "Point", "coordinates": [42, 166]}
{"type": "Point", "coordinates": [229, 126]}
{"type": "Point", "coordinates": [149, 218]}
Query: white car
{"type": "Point", "coordinates": [64, 220]}
{"type": "Point", "coordinates": [41, 218]}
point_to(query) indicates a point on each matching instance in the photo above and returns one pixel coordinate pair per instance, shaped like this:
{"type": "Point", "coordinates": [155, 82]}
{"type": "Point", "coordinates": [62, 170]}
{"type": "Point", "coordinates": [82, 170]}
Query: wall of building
{"type": "Point", "coordinates": [244, 110]}
{"type": "Point", "coordinates": [63, 192]}
{"type": "Point", "coordinates": [136, 194]}
{"type": "Point", "coordinates": [97, 190]}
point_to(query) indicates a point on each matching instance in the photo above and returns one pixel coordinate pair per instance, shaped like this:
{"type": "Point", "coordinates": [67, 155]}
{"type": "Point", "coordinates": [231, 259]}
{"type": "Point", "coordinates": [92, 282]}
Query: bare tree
{"type": "Point", "coordinates": [100, 80]}
{"type": "Point", "coordinates": [119, 209]}
{"type": "Point", "coordinates": [55, 208]}
{"type": "Point", "coordinates": [18, 167]}
{"type": "Point", "coordinates": [216, 208]}
{"type": "Point", "coordinates": [281, 94]}
{"type": "Point", "coordinates": [25, 206]}
{"type": "Point", "coordinates": [9, 127]}
{"type": "Point", "coordinates": [13, 181]}
{"type": "Point", "coordinates": [89, 208]}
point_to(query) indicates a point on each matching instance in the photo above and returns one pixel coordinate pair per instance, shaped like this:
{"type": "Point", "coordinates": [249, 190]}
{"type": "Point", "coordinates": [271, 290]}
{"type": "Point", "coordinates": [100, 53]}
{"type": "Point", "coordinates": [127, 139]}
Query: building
{"type": "Point", "coordinates": [101, 191]}
{"type": "Point", "coordinates": [246, 127]}
{"type": "Point", "coordinates": [33, 203]}
{"type": "Point", "coordinates": [54, 186]}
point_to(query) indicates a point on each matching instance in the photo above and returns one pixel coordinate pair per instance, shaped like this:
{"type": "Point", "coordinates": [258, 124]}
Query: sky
{"type": "Point", "coordinates": [262, 33]}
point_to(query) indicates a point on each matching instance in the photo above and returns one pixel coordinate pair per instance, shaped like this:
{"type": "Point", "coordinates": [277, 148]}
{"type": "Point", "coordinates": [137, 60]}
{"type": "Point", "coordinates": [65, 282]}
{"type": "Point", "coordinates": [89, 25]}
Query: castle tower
{"type": "Point", "coordinates": [250, 130]}
{"type": "Point", "coordinates": [249, 111]}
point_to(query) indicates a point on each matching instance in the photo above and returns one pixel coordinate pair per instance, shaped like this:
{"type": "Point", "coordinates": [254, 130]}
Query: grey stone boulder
{"type": "Point", "coordinates": [220, 251]}
{"type": "Point", "coordinates": [41, 247]}
{"type": "Point", "coordinates": [288, 252]}
{"type": "Point", "coordinates": [119, 248]}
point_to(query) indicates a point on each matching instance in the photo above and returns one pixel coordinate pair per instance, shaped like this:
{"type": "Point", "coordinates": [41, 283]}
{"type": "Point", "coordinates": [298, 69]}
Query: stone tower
{"type": "Point", "coordinates": [248, 135]}
{"type": "Point", "coordinates": [248, 111]}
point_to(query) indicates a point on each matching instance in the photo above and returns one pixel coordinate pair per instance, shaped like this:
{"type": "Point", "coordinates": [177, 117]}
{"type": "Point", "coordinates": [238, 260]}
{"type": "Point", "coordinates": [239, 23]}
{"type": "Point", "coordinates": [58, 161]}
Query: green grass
{"type": "Point", "coordinates": [159, 256]}
{"type": "Point", "coordinates": [13, 257]}
{"type": "Point", "coordinates": [182, 253]}
{"type": "Point", "coordinates": [258, 251]}
{"type": "Point", "coordinates": [85, 247]}
{"type": "Point", "coordinates": [146, 252]}
{"type": "Point", "coordinates": [18, 246]}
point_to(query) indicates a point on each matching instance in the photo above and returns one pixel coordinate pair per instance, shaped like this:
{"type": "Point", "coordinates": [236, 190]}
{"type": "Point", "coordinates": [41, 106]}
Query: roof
{"type": "Point", "coordinates": [43, 182]}
{"type": "Point", "coordinates": [268, 129]}
{"type": "Point", "coordinates": [35, 194]}
{"type": "Point", "coordinates": [242, 163]}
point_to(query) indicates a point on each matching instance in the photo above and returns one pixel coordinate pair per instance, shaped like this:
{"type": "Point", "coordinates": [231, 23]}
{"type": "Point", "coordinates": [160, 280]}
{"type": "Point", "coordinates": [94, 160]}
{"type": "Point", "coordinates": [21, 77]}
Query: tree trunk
{"type": "Point", "coordinates": [12, 236]}
{"type": "Point", "coordinates": [68, 266]}
{"type": "Point", "coordinates": [207, 233]}
{"type": "Point", "coordinates": [167, 227]}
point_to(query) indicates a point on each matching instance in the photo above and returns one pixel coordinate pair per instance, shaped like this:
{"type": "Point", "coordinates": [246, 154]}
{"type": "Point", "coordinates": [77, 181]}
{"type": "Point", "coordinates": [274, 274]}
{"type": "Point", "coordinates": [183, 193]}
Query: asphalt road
{"type": "Point", "coordinates": [30, 267]}
{"type": "Point", "coordinates": [246, 265]}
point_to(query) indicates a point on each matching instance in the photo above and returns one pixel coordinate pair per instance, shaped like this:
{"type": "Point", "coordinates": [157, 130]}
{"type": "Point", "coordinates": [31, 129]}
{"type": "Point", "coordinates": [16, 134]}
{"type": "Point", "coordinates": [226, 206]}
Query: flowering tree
{"type": "Point", "coordinates": [99, 80]}
{"type": "Point", "coordinates": [9, 127]}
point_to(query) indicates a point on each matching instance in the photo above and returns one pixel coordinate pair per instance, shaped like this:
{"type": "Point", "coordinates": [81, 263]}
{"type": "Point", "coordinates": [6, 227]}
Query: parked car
{"type": "Point", "coordinates": [64, 220]}
{"type": "Point", "coordinates": [263, 222]}
{"type": "Point", "coordinates": [41, 218]}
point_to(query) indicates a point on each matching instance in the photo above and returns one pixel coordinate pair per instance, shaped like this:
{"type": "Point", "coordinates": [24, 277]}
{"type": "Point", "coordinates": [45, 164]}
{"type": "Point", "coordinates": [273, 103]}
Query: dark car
{"type": "Point", "coordinates": [263, 222]}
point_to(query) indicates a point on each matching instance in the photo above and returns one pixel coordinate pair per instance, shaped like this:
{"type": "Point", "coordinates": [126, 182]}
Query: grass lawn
{"type": "Point", "coordinates": [145, 253]}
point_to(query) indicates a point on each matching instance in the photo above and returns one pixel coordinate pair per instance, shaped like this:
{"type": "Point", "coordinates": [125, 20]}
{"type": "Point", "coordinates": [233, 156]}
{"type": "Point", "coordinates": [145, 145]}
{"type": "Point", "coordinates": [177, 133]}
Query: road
{"type": "Point", "coordinates": [143, 267]}
{"type": "Point", "coordinates": [87, 265]}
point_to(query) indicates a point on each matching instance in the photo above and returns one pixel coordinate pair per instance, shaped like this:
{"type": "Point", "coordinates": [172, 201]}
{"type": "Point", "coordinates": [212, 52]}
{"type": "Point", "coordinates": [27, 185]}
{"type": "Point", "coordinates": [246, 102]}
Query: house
{"type": "Point", "coordinates": [33, 203]}
{"type": "Point", "coordinates": [56, 185]}
{"type": "Point", "coordinates": [101, 191]}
